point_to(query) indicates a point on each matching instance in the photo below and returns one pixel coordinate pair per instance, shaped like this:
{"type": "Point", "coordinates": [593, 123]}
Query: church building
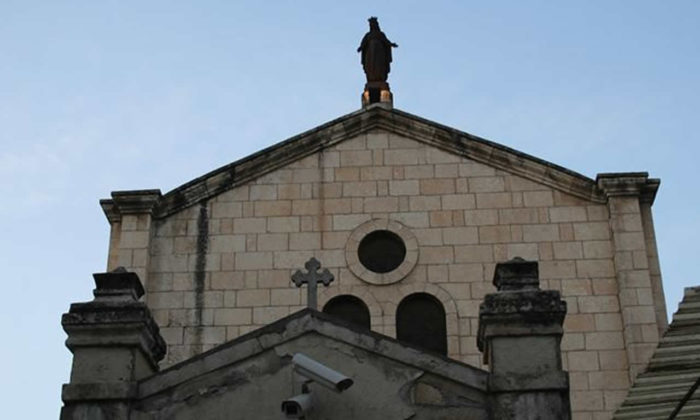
{"type": "Point", "coordinates": [400, 223]}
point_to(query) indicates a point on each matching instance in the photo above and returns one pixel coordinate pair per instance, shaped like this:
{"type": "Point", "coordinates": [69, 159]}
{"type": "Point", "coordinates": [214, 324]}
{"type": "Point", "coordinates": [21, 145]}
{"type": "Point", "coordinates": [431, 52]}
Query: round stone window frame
{"type": "Point", "coordinates": [399, 273]}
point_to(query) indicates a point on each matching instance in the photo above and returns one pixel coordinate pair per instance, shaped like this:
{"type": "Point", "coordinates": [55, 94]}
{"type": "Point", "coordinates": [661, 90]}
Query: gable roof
{"type": "Point", "coordinates": [668, 388]}
{"type": "Point", "coordinates": [359, 122]}
{"type": "Point", "coordinates": [304, 322]}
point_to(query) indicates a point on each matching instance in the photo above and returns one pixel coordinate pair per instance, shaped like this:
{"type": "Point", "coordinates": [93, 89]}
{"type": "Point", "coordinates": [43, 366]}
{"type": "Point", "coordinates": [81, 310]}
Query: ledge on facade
{"type": "Point", "coordinates": [130, 202]}
{"type": "Point", "coordinates": [629, 184]}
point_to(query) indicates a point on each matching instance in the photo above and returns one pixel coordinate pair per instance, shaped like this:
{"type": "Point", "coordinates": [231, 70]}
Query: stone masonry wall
{"type": "Point", "coordinates": [222, 268]}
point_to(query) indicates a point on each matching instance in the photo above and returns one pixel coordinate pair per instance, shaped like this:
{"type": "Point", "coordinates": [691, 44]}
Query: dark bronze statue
{"type": "Point", "coordinates": [376, 53]}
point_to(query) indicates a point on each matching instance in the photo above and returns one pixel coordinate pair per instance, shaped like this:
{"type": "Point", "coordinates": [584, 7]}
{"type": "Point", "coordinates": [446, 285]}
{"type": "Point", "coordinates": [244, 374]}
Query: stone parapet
{"type": "Point", "coordinates": [115, 342]}
{"type": "Point", "coordinates": [520, 330]}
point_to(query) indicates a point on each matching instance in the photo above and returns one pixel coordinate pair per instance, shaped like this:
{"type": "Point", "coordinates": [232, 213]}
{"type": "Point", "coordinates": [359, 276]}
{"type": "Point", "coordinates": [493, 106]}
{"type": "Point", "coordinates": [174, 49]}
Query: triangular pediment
{"type": "Point", "coordinates": [370, 119]}
{"type": "Point", "coordinates": [306, 322]}
{"type": "Point", "coordinates": [382, 368]}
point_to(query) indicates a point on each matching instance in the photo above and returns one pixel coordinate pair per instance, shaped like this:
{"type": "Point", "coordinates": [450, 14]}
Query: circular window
{"type": "Point", "coordinates": [381, 251]}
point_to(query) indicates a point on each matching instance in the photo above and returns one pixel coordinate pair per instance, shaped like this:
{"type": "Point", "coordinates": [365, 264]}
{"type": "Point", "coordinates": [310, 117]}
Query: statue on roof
{"type": "Point", "coordinates": [376, 53]}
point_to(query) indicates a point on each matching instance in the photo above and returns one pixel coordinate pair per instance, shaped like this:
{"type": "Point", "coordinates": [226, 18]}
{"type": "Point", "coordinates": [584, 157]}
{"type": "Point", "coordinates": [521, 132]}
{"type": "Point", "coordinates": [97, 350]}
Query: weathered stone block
{"type": "Point", "coordinates": [273, 242]}
{"type": "Point", "coordinates": [437, 255]}
{"type": "Point", "coordinates": [595, 268]}
{"type": "Point", "coordinates": [285, 297]}
{"type": "Point", "coordinates": [232, 316]}
{"type": "Point", "coordinates": [494, 234]}
{"type": "Point", "coordinates": [466, 273]}
{"type": "Point", "coordinates": [591, 231]}
{"type": "Point", "coordinates": [606, 340]}
{"type": "Point", "coordinates": [401, 157]}
{"type": "Point", "coordinates": [440, 218]}
{"type": "Point", "coordinates": [360, 189]}
{"type": "Point", "coordinates": [304, 241]}
{"type": "Point", "coordinates": [567, 214]}
{"type": "Point", "coordinates": [597, 249]}
{"type": "Point", "coordinates": [355, 158]}
{"type": "Point", "coordinates": [587, 401]}
{"type": "Point", "coordinates": [608, 322]}
{"type": "Point", "coordinates": [480, 217]}
{"type": "Point", "coordinates": [458, 201]}
{"type": "Point", "coordinates": [414, 219]}
{"type": "Point", "coordinates": [249, 225]}
{"type": "Point", "coordinates": [567, 250]}
{"type": "Point", "coordinates": [253, 260]}
{"type": "Point", "coordinates": [576, 287]}
{"type": "Point", "coordinates": [538, 199]}
{"type": "Point", "coordinates": [158, 300]}
{"type": "Point", "coordinates": [134, 239]}
{"type": "Point", "coordinates": [613, 359]}
{"type": "Point", "coordinates": [377, 140]}
{"type": "Point", "coordinates": [486, 184]}
{"type": "Point", "coordinates": [473, 253]}
{"type": "Point", "coordinates": [497, 200]}
{"type": "Point", "coordinates": [583, 360]}
{"type": "Point", "coordinates": [598, 304]}
{"type": "Point", "coordinates": [222, 243]}
{"type": "Point", "coordinates": [460, 235]}
{"type": "Point", "coordinates": [253, 297]}
{"type": "Point", "coordinates": [381, 204]}
{"type": "Point", "coordinates": [283, 224]}
{"type": "Point", "coordinates": [540, 233]}
{"type": "Point", "coordinates": [557, 269]}
{"type": "Point", "coordinates": [518, 216]}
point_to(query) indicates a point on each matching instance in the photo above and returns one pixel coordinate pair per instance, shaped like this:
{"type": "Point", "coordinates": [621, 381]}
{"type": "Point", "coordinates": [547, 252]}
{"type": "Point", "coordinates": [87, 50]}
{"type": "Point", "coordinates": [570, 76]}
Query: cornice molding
{"type": "Point", "coordinates": [629, 184]}
{"type": "Point", "coordinates": [351, 125]}
{"type": "Point", "coordinates": [130, 202]}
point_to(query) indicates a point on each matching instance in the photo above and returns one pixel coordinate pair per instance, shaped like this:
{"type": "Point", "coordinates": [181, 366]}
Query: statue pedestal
{"type": "Point", "coordinates": [377, 93]}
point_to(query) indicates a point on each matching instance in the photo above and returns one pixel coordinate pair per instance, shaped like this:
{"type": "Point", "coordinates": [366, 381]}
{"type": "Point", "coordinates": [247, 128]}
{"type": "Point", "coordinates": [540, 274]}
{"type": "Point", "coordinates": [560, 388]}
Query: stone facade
{"type": "Point", "coordinates": [216, 254]}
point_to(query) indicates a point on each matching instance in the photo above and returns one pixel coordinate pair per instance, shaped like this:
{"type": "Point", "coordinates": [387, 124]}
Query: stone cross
{"type": "Point", "coordinates": [312, 278]}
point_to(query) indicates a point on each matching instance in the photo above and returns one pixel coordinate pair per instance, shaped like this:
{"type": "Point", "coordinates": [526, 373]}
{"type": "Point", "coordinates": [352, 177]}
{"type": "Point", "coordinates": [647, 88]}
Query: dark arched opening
{"type": "Point", "coordinates": [420, 320]}
{"type": "Point", "coordinates": [349, 308]}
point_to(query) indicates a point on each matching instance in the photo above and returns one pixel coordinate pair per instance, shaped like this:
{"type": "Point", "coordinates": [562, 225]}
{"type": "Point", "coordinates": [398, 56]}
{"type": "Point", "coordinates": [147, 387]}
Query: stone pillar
{"type": "Point", "coordinates": [639, 302]}
{"type": "Point", "coordinates": [520, 330]}
{"type": "Point", "coordinates": [130, 216]}
{"type": "Point", "coordinates": [115, 342]}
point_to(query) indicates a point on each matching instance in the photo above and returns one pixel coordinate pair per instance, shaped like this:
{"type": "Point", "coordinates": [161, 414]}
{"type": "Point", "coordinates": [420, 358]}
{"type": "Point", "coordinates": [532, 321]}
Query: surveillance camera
{"type": "Point", "coordinates": [297, 407]}
{"type": "Point", "coordinates": [320, 373]}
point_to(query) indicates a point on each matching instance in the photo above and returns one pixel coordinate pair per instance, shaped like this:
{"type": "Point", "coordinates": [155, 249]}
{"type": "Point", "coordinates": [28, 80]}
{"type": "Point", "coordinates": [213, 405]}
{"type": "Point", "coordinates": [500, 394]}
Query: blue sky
{"type": "Point", "coordinates": [112, 95]}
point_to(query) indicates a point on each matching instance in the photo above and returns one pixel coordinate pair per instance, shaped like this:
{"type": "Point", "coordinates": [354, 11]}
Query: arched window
{"type": "Point", "coordinates": [350, 309]}
{"type": "Point", "coordinates": [420, 320]}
